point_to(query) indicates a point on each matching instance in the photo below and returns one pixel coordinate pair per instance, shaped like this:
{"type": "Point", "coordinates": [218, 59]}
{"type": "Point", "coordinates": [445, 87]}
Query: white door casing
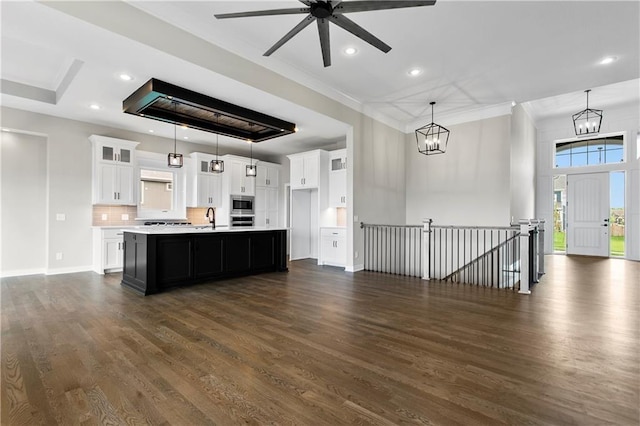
{"type": "Point", "coordinates": [588, 214]}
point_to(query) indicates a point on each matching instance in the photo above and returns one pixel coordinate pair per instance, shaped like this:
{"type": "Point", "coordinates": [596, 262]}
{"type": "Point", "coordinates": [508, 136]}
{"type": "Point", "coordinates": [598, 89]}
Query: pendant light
{"type": "Point", "coordinates": [432, 138]}
{"type": "Point", "coordinates": [174, 159]}
{"type": "Point", "coordinates": [217, 166]}
{"type": "Point", "coordinates": [252, 169]}
{"type": "Point", "coordinates": [587, 121]}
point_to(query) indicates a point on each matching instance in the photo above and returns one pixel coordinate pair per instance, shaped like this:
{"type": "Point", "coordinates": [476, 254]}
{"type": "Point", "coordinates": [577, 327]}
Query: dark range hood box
{"type": "Point", "coordinates": [155, 100]}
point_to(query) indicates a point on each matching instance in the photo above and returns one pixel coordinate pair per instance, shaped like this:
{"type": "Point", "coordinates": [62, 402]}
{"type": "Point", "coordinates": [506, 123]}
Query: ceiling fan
{"type": "Point", "coordinates": [325, 11]}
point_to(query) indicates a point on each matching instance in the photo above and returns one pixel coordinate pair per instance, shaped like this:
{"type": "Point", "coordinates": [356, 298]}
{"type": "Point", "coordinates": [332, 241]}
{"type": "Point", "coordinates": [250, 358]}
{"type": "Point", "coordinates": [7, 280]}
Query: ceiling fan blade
{"type": "Point", "coordinates": [295, 30]}
{"type": "Point", "coordinates": [323, 32]}
{"type": "Point", "coordinates": [355, 29]}
{"type": "Point", "coordinates": [365, 6]}
{"type": "Point", "coordinates": [293, 11]}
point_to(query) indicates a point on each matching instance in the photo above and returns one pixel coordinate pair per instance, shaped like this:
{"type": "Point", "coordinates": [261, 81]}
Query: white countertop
{"type": "Point", "coordinates": [197, 229]}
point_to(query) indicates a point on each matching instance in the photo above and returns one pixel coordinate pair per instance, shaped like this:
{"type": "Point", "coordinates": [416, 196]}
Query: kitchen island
{"type": "Point", "coordinates": [158, 258]}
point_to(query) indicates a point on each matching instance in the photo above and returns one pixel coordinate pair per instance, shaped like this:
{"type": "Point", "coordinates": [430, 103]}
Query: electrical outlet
{"type": "Point", "coordinates": [104, 216]}
{"type": "Point", "coordinates": [124, 216]}
{"type": "Point", "coordinates": [356, 254]}
{"type": "Point", "coordinates": [58, 256]}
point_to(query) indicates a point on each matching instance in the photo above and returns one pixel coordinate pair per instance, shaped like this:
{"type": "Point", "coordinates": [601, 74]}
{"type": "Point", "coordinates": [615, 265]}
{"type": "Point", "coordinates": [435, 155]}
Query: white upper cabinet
{"type": "Point", "coordinates": [267, 175]}
{"type": "Point", "coordinates": [240, 183]}
{"type": "Point", "coordinates": [338, 178]}
{"type": "Point", "coordinates": [305, 169]}
{"type": "Point", "coordinates": [113, 171]}
{"type": "Point", "coordinates": [208, 185]}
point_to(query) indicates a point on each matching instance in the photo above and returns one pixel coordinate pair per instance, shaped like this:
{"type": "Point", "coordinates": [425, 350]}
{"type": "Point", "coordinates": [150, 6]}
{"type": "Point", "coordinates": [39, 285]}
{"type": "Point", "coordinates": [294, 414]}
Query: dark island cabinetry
{"type": "Point", "coordinates": [155, 261]}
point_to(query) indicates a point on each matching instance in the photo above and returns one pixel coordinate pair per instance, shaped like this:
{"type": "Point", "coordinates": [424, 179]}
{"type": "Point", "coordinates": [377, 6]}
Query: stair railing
{"type": "Point", "coordinates": [487, 256]}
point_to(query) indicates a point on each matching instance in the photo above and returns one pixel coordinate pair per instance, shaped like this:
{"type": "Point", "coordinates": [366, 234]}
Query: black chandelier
{"type": "Point", "coordinates": [251, 169]}
{"type": "Point", "coordinates": [432, 138]}
{"type": "Point", "coordinates": [174, 159]}
{"type": "Point", "coordinates": [587, 121]}
{"type": "Point", "coordinates": [217, 166]}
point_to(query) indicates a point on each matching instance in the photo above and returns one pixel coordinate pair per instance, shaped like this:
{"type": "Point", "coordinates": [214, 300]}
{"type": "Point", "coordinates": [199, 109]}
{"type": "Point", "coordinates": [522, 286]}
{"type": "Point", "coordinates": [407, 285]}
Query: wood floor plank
{"type": "Point", "coordinates": [320, 346]}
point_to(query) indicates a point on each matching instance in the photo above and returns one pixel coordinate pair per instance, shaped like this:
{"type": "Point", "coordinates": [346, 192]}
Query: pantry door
{"type": "Point", "coordinates": [588, 214]}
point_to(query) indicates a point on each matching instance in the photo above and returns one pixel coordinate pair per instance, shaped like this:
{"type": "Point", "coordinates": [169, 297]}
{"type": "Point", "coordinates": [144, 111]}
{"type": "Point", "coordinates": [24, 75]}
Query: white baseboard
{"type": "Point", "coordinates": [21, 272]}
{"type": "Point", "coordinates": [69, 270]}
{"type": "Point", "coordinates": [355, 268]}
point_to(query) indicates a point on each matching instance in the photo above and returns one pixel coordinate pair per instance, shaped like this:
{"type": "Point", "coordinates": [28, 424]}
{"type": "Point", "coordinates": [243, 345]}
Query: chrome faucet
{"type": "Point", "coordinates": [212, 219]}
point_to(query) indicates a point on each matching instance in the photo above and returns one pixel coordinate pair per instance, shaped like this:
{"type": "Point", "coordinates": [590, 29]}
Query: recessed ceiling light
{"type": "Point", "coordinates": [125, 77]}
{"type": "Point", "coordinates": [150, 130]}
{"type": "Point", "coordinates": [184, 126]}
{"type": "Point", "coordinates": [4, 129]}
{"type": "Point", "coordinates": [350, 51]}
{"type": "Point", "coordinates": [185, 137]}
{"type": "Point", "coordinates": [608, 60]}
{"type": "Point", "coordinates": [415, 72]}
{"type": "Point", "coordinates": [94, 106]}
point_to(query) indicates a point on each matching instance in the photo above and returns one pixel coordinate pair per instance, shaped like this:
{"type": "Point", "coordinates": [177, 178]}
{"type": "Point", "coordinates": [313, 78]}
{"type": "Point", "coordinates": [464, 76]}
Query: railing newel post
{"type": "Point", "coordinates": [426, 238]}
{"type": "Point", "coordinates": [524, 257]}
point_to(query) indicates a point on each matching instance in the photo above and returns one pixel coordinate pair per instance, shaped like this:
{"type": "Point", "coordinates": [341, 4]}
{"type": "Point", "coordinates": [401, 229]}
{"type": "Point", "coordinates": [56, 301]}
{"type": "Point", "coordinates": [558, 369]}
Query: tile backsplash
{"type": "Point", "coordinates": [106, 215]}
{"type": "Point", "coordinates": [196, 215]}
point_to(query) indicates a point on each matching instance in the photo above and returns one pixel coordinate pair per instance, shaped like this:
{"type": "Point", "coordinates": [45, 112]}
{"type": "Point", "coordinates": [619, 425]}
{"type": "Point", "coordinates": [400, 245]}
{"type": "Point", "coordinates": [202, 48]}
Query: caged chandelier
{"type": "Point", "coordinates": [587, 121]}
{"type": "Point", "coordinates": [174, 159]}
{"type": "Point", "coordinates": [432, 138]}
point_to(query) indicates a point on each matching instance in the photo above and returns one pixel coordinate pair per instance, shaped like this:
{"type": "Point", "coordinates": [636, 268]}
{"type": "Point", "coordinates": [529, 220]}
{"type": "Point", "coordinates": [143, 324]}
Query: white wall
{"type": "Point", "coordinates": [624, 118]}
{"type": "Point", "coordinates": [523, 152]}
{"type": "Point", "coordinates": [23, 207]}
{"type": "Point", "coordinates": [68, 177]}
{"type": "Point", "coordinates": [469, 184]}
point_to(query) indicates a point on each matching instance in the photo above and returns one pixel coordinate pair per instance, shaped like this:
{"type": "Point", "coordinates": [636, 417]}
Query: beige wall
{"type": "Point", "coordinates": [23, 207]}
{"type": "Point", "coordinates": [469, 184]}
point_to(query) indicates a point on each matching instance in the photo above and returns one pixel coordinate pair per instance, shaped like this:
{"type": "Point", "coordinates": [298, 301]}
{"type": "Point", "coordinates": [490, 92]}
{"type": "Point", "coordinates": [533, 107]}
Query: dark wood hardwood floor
{"type": "Point", "coordinates": [317, 346]}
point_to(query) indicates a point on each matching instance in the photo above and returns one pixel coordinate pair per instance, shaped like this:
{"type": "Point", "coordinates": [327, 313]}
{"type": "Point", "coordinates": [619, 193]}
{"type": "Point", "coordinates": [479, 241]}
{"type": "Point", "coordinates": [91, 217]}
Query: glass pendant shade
{"type": "Point", "coordinates": [217, 166]}
{"type": "Point", "coordinates": [432, 138]}
{"type": "Point", "coordinates": [175, 160]}
{"type": "Point", "coordinates": [587, 121]}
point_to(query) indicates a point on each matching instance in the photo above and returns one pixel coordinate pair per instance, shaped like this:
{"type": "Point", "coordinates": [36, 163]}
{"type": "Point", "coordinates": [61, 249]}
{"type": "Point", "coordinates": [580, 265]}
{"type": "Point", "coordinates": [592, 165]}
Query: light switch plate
{"type": "Point", "coordinates": [61, 216]}
{"type": "Point", "coordinates": [355, 218]}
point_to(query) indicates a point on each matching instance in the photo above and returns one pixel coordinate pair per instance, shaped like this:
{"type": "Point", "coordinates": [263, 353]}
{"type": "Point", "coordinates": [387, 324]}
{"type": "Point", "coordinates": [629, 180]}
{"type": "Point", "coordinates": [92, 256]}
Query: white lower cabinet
{"type": "Point", "coordinates": [108, 250]}
{"type": "Point", "coordinates": [333, 246]}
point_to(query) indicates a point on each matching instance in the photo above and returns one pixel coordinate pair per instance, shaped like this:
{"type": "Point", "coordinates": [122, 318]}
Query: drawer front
{"type": "Point", "coordinates": [113, 233]}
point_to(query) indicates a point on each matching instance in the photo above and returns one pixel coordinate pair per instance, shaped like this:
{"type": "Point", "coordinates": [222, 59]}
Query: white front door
{"type": "Point", "coordinates": [588, 214]}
